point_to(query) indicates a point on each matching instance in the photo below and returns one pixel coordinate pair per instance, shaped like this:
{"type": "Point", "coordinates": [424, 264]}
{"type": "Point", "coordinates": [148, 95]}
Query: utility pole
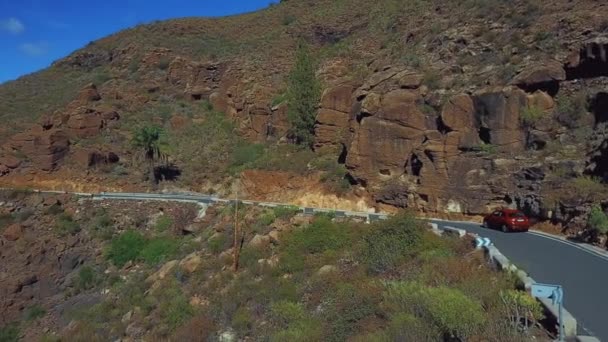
{"type": "Point", "coordinates": [236, 245]}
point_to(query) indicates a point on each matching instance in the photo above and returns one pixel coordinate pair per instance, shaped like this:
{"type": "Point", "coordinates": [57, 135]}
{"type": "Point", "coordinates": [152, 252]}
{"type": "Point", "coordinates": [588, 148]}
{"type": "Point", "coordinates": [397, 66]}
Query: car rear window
{"type": "Point", "coordinates": [517, 214]}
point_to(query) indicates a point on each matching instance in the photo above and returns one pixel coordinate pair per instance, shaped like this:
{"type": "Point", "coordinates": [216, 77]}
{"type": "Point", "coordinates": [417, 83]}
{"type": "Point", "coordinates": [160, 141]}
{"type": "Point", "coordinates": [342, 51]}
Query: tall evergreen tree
{"type": "Point", "coordinates": [303, 97]}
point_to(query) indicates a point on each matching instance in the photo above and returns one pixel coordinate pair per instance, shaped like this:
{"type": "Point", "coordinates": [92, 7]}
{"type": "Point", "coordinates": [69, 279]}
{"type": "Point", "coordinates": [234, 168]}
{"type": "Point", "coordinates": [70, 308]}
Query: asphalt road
{"type": "Point", "coordinates": [583, 275]}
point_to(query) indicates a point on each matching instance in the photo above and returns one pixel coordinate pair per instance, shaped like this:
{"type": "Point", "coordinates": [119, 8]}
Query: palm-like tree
{"type": "Point", "coordinates": [151, 144]}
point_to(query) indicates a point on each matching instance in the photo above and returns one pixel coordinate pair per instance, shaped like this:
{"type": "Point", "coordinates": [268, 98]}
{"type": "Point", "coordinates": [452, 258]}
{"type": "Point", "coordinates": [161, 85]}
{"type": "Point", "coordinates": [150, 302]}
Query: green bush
{"type": "Point", "coordinates": [158, 250]}
{"type": "Point", "coordinates": [103, 225]}
{"type": "Point", "coordinates": [284, 313]}
{"type": "Point", "coordinates": [242, 321]}
{"type": "Point", "coordinates": [126, 247]}
{"type": "Point", "coordinates": [407, 327]}
{"type": "Point", "coordinates": [245, 154]}
{"type": "Point", "coordinates": [54, 209]}
{"type": "Point", "coordinates": [174, 307]}
{"type": "Point", "coordinates": [23, 215]}
{"type": "Point", "coordinates": [391, 242]}
{"type": "Point", "coordinates": [217, 244]}
{"type": "Point", "coordinates": [5, 220]}
{"type": "Point", "coordinates": [34, 312]}
{"type": "Point", "coordinates": [598, 220]}
{"type": "Point", "coordinates": [450, 310]}
{"type": "Point", "coordinates": [164, 63]}
{"type": "Point", "coordinates": [9, 333]}
{"type": "Point", "coordinates": [431, 79]}
{"type": "Point", "coordinates": [487, 148]}
{"type": "Point", "coordinates": [531, 115]}
{"type": "Point", "coordinates": [294, 323]}
{"type": "Point", "coordinates": [65, 225]}
{"type": "Point", "coordinates": [163, 223]}
{"type": "Point", "coordinates": [521, 306]}
{"type": "Point", "coordinates": [86, 279]}
{"type": "Point", "coordinates": [285, 212]}
{"type": "Point", "coordinates": [571, 109]}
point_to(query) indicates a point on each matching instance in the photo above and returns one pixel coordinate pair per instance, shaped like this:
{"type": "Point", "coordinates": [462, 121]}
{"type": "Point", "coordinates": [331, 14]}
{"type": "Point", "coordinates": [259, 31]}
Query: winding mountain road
{"type": "Point", "coordinates": [581, 270]}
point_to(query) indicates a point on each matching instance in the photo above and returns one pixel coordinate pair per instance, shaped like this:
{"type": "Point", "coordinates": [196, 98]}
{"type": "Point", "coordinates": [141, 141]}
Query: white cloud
{"type": "Point", "coordinates": [12, 25]}
{"type": "Point", "coordinates": [34, 49]}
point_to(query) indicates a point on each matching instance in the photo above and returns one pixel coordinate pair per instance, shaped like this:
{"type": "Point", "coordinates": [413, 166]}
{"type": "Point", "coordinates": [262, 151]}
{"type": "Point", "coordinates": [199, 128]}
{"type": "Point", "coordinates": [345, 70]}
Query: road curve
{"type": "Point", "coordinates": [582, 273]}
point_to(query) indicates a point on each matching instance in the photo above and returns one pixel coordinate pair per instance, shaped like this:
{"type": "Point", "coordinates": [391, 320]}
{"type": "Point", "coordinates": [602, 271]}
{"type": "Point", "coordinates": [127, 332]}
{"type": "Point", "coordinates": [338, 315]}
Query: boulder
{"type": "Point", "coordinates": [163, 272]}
{"type": "Point", "coordinates": [85, 123]}
{"type": "Point", "coordinates": [10, 161]}
{"type": "Point", "coordinates": [537, 75]}
{"type": "Point", "coordinates": [327, 269]}
{"type": "Point", "coordinates": [88, 94]}
{"type": "Point", "coordinates": [259, 241]}
{"type": "Point", "coordinates": [275, 236]}
{"type": "Point", "coordinates": [44, 148]}
{"type": "Point", "coordinates": [13, 232]}
{"type": "Point", "coordinates": [409, 80]}
{"type": "Point", "coordinates": [458, 114]}
{"type": "Point", "coordinates": [191, 263]}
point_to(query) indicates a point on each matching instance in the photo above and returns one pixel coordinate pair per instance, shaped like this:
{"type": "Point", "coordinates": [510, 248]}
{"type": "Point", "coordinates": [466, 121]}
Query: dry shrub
{"type": "Point", "coordinates": [199, 328]}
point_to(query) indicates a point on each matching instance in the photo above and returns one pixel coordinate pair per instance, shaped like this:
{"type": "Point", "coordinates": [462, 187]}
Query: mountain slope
{"type": "Point", "coordinates": [436, 105]}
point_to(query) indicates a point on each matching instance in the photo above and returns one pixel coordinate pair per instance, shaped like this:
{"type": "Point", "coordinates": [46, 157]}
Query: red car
{"type": "Point", "coordinates": [508, 220]}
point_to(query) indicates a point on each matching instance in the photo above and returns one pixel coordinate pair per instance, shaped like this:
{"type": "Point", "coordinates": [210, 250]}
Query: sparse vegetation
{"type": "Point", "coordinates": [531, 115]}
{"type": "Point", "coordinates": [65, 225]}
{"type": "Point", "coordinates": [34, 312]}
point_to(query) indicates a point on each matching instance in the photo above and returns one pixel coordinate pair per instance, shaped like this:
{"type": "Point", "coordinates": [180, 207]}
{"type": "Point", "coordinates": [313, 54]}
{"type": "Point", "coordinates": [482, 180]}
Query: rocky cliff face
{"type": "Point", "coordinates": [460, 117]}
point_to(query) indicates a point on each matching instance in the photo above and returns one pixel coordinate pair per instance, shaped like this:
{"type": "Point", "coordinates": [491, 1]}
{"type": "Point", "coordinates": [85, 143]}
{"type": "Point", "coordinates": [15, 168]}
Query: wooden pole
{"type": "Point", "coordinates": [236, 245]}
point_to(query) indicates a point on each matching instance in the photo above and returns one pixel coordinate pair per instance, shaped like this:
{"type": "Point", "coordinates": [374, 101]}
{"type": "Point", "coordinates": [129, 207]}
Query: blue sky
{"type": "Point", "coordinates": [34, 33]}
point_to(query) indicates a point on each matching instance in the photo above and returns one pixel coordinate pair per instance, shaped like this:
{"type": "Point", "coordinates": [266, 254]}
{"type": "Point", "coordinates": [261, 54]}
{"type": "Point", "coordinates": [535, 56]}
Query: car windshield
{"type": "Point", "coordinates": [517, 214]}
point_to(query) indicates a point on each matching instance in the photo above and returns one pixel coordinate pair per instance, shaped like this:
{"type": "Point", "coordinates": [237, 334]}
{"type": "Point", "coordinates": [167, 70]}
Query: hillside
{"type": "Point", "coordinates": [80, 269]}
{"type": "Point", "coordinates": [439, 106]}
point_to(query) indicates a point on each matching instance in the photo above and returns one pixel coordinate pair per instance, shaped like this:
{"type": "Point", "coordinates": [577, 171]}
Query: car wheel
{"type": "Point", "coordinates": [505, 229]}
{"type": "Point", "coordinates": [485, 224]}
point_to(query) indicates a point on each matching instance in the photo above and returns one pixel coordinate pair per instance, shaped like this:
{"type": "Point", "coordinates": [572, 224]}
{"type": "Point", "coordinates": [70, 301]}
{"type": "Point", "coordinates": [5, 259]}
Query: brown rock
{"type": "Point", "coordinates": [13, 232]}
{"type": "Point", "coordinates": [400, 106]}
{"type": "Point", "coordinates": [409, 80]}
{"type": "Point", "coordinates": [88, 94]}
{"type": "Point", "coordinates": [537, 74]}
{"type": "Point", "coordinates": [10, 161]}
{"type": "Point", "coordinates": [338, 98]}
{"type": "Point", "coordinates": [44, 148]}
{"type": "Point", "coordinates": [85, 123]}
{"type": "Point", "coordinates": [191, 263]}
{"type": "Point", "coordinates": [178, 121]}
{"type": "Point", "coordinates": [259, 241]}
{"type": "Point", "coordinates": [458, 113]}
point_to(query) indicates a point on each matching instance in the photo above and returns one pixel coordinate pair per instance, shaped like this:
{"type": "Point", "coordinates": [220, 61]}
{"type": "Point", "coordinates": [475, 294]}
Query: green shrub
{"type": "Point", "coordinates": [450, 310]}
{"type": "Point", "coordinates": [521, 306]}
{"type": "Point", "coordinates": [34, 312]}
{"type": "Point", "coordinates": [487, 148]}
{"type": "Point", "coordinates": [164, 63]}
{"type": "Point", "coordinates": [285, 212]}
{"type": "Point", "coordinates": [407, 327]}
{"type": "Point", "coordinates": [23, 215]}
{"type": "Point", "coordinates": [288, 20]}
{"type": "Point", "coordinates": [587, 188]}
{"type": "Point", "coordinates": [5, 220]}
{"type": "Point", "coordinates": [278, 99]}
{"type": "Point", "coordinates": [163, 223]}
{"type": "Point", "coordinates": [571, 109]}
{"type": "Point", "coordinates": [9, 333]}
{"type": "Point", "coordinates": [431, 79]}
{"type": "Point", "coordinates": [158, 250]}
{"type": "Point", "coordinates": [284, 313]}
{"type": "Point", "coordinates": [245, 154]}
{"type": "Point", "coordinates": [86, 279]}
{"type": "Point", "coordinates": [242, 321]}
{"type": "Point", "coordinates": [126, 247]}
{"type": "Point", "coordinates": [531, 115]}
{"type": "Point", "coordinates": [217, 244]}
{"type": "Point", "coordinates": [294, 323]}
{"type": "Point", "coordinates": [598, 220]}
{"type": "Point", "coordinates": [65, 225]}
{"type": "Point", "coordinates": [174, 307]}
{"type": "Point", "coordinates": [103, 225]}
{"type": "Point", "coordinates": [347, 306]}
{"type": "Point", "coordinates": [391, 241]}
{"type": "Point", "coordinates": [134, 65]}
{"type": "Point", "coordinates": [54, 209]}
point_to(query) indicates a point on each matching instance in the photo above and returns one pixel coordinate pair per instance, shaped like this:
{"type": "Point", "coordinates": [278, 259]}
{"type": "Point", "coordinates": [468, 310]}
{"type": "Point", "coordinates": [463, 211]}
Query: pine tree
{"type": "Point", "coordinates": [303, 97]}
